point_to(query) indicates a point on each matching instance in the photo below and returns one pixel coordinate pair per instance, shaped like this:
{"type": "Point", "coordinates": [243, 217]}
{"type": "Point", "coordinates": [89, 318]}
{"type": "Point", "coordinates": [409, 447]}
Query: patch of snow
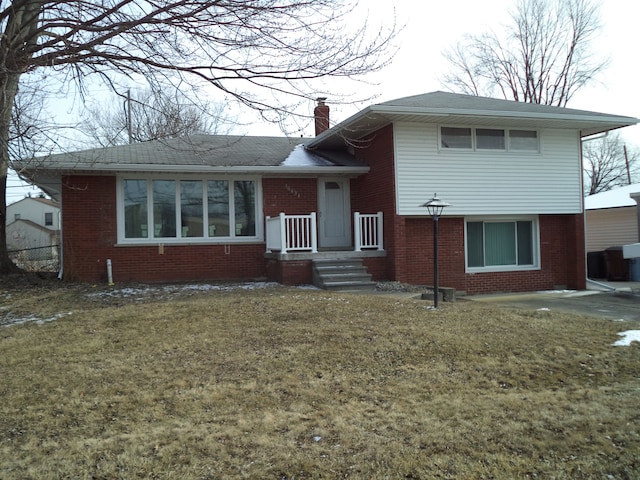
{"type": "Point", "coordinates": [545, 292]}
{"type": "Point", "coordinates": [300, 157]}
{"type": "Point", "coordinates": [544, 309]}
{"type": "Point", "coordinates": [628, 337]}
{"type": "Point", "coordinates": [128, 292]}
{"type": "Point", "coordinates": [582, 293]}
{"type": "Point", "coordinates": [31, 318]}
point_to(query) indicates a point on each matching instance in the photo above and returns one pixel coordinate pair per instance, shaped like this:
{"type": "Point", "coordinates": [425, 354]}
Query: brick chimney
{"type": "Point", "coordinates": [321, 115]}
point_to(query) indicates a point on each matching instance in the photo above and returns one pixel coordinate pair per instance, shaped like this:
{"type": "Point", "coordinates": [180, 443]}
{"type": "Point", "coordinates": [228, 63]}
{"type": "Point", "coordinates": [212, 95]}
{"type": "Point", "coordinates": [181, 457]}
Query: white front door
{"type": "Point", "coordinates": [334, 229]}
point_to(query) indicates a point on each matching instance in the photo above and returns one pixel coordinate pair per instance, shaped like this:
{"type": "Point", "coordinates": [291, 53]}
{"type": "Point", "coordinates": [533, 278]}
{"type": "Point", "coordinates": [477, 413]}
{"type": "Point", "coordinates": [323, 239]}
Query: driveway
{"type": "Point", "coordinates": [623, 303]}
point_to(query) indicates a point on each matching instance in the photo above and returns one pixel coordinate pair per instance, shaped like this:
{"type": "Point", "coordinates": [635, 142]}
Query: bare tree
{"type": "Point", "coordinates": [243, 48]}
{"type": "Point", "coordinates": [608, 163]}
{"type": "Point", "coordinates": [544, 55]}
{"type": "Point", "coordinates": [152, 115]}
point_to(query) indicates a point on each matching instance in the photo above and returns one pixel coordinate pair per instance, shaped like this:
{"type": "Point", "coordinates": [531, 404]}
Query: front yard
{"type": "Point", "coordinates": [285, 383]}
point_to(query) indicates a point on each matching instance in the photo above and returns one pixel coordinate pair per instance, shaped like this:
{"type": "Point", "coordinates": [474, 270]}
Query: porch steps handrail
{"type": "Point", "coordinates": [287, 233]}
{"type": "Point", "coordinates": [368, 231]}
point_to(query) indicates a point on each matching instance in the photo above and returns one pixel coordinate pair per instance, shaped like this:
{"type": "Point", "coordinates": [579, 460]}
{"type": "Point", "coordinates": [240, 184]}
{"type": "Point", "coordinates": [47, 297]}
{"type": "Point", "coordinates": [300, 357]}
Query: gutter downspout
{"type": "Point", "coordinates": [604, 286]}
{"type": "Point", "coordinates": [60, 254]}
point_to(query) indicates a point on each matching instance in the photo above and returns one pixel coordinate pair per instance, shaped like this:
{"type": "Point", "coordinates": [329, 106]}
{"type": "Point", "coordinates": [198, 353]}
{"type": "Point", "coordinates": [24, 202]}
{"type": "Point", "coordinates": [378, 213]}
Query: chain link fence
{"type": "Point", "coordinates": [38, 259]}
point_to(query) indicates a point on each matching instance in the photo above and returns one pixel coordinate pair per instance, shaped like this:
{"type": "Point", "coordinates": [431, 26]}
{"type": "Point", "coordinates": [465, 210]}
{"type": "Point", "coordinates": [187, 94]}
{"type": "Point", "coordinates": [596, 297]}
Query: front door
{"type": "Point", "coordinates": [334, 225]}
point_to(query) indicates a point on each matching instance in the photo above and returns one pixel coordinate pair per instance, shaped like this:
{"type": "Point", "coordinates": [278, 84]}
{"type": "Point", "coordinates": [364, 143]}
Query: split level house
{"type": "Point", "coordinates": [242, 207]}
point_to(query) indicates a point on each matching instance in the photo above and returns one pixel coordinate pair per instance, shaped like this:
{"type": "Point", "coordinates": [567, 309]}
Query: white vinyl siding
{"type": "Point", "coordinates": [611, 227]}
{"type": "Point", "coordinates": [487, 182]}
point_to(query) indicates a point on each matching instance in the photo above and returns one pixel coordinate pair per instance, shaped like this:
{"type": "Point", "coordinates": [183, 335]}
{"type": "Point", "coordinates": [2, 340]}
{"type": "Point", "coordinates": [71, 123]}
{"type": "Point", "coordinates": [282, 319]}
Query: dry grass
{"type": "Point", "coordinates": [292, 384]}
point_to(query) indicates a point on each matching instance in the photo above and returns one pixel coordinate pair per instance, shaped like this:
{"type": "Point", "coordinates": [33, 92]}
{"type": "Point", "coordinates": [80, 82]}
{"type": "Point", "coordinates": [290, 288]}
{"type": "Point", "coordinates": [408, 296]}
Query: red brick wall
{"type": "Point", "coordinates": [89, 236]}
{"type": "Point", "coordinates": [293, 196]}
{"type": "Point", "coordinates": [562, 257]}
{"type": "Point", "coordinates": [375, 192]}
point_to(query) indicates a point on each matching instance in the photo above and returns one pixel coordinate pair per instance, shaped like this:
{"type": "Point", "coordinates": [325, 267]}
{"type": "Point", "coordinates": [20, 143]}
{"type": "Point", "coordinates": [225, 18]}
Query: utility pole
{"type": "Point", "coordinates": [626, 159]}
{"type": "Point", "coordinates": [128, 115]}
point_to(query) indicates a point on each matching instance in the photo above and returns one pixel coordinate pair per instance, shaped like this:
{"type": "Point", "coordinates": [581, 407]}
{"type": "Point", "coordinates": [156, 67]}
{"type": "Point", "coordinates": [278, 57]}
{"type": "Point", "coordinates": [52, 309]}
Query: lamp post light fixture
{"type": "Point", "coordinates": [435, 206]}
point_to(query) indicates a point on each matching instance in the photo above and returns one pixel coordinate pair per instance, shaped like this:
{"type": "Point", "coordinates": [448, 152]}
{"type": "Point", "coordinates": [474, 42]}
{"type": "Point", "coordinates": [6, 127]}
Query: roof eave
{"type": "Point", "coordinates": [587, 124]}
{"type": "Point", "coordinates": [186, 169]}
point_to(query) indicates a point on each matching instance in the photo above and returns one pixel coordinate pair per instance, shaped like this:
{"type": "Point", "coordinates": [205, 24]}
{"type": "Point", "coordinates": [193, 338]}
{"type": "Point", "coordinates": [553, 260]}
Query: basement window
{"type": "Point", "coordinates": [502, 244]}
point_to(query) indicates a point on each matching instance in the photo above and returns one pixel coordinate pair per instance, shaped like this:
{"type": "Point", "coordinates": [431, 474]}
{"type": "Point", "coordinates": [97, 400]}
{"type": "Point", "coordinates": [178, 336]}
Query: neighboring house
{"type": "Point", "coordinates": [33, 232]}
{"type": "Point", "coordinates": [39, 210]}
{"type": "Point", "coordinates": [612, 218]}
{"type": "Point", "coordinates": [225, 207]}
{"type": "Point", "coordinates": [612, 221]}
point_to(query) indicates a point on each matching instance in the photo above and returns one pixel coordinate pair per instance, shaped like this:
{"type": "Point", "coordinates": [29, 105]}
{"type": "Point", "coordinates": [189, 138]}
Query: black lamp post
{"type": "Point", "coordinates": [435, 206]}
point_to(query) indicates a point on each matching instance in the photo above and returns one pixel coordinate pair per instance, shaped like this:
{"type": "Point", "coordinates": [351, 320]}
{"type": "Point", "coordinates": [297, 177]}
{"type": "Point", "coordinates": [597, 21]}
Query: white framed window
{"type": "Point", "coordinates": [524, 140]}
{"type": "Point", "coordinates": [502, 244]}
{"type": "Point", "coordinates": [48, 219]}
{"type": "Point", "coordinates": [456, 137]}
{"type": "Point", "coordinates": [489, 139]}
{"type": "Point", "coordinates": [178, 210]}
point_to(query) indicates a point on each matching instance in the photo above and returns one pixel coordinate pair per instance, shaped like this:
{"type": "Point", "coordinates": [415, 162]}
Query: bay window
{"type": "Point", "coordinates": [502, 244]}
{"type": "Point", "coordinates": [176, 209]}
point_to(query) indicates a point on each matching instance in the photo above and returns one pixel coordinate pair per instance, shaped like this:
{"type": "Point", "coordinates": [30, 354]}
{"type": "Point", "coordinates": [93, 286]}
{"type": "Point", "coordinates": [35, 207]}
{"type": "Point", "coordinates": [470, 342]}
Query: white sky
{"type": "Point", "coordinates": [432, 27]}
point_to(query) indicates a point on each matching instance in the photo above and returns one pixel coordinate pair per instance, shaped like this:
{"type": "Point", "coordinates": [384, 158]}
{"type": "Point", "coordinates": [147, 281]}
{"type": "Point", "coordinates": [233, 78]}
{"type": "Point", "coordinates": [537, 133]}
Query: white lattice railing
{"type": "Point", "coordinates": [368, 231]}
{"type": "Point", "coordinates": [289, 233]}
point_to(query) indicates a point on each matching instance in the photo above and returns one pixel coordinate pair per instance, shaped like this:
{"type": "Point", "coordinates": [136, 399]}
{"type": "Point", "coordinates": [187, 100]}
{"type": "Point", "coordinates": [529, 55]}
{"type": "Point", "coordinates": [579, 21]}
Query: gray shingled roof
{"type": "Point", "coordinates": [195, 153]}
{"type": "Point", "coordinates": [455, 102]}
{"type": "Point", "coordinates": [456, 109]}
{"type": "Point", "coordinates": [210, 150]}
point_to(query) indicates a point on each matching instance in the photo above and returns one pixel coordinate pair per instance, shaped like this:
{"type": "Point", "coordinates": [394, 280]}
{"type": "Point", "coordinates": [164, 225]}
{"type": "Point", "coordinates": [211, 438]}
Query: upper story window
{"type": "Point", "coordinates": [172, 209]}
{"type": "Point", "coordinates": [453, 137]}
{"type": "Point", "coordinates": [48, 219]}
{"type": "Point", "coordinates": [524, 140]}
{"type": "Point", "coordinates": [490, 139]}
{"type": "Point", "coordinates": [498, 139]}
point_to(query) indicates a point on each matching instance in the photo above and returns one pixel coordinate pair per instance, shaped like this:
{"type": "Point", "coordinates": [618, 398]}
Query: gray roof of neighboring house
{"type": "Point", "coordinates": [455, 109]}
{"type": "Point", "coordinates": [614, 198]}
{"type": "Point", "coordinates": [45, 201]}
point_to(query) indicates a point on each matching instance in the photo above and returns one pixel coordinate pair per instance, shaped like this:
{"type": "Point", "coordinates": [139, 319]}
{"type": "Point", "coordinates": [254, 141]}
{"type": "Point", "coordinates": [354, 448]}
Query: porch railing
{"type": "Point", "coordinates": [367, 231]}
{"type": "Point", "coordinates": [289, 233]}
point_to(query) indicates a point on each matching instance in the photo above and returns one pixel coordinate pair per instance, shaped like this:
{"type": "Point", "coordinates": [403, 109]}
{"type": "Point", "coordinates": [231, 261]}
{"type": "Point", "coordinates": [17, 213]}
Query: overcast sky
{"type": "Point", "coordinates": [432, 27]}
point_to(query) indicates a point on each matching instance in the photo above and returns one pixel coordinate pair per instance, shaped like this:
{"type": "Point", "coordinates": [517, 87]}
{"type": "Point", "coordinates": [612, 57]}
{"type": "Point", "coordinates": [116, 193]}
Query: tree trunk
{"type": "Point", "coordinates": [6, 265]}
{"type": "Point", "coordinates": [8, 90]}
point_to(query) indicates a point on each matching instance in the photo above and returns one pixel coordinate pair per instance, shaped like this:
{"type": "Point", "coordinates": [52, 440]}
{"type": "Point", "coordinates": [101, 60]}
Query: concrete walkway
{"type": "Point", "coordinates": [610, 300]}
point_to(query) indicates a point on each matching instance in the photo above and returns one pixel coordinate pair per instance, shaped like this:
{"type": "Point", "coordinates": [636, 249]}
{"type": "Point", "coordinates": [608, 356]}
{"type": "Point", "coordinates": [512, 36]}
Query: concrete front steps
{"type": "Point", "coordinates": [342, 275]}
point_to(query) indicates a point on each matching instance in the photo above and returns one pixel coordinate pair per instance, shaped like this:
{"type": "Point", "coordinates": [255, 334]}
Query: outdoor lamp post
{"type": "Point", "coordinates": [435, 206]}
